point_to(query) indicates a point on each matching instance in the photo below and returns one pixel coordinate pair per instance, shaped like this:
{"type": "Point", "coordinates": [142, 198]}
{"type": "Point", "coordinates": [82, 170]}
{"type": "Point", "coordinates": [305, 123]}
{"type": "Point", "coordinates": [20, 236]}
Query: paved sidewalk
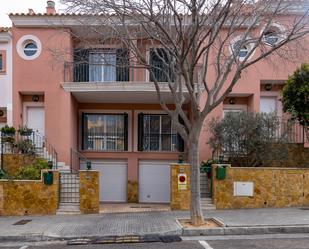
{"type": "Point", "coordinates": [143, 223]}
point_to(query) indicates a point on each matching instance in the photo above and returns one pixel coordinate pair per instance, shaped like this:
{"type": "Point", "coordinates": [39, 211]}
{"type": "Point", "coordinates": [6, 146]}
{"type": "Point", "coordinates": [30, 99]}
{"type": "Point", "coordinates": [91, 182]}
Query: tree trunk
{"type": "Point", "coordinates": [193, 158]}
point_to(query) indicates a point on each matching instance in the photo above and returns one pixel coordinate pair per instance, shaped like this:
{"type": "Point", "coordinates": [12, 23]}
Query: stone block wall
{"type": "Point", "coordinates": [272, 188]}
{"type": "Point", "coordinates": [132, 189]}
{"type": "Point", "coordinates": [89, 189]}
{"type": "Point", "coordinates": [180, 197]}
{"type": "Point", "coordinates": [13, 162]}
{"type": "Point", "coordinates": [27, 197]}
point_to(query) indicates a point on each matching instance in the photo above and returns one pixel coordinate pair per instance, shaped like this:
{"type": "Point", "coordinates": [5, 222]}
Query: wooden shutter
{"type": "Point", "coordinates": [81, 65]}
{"type": "Point", "coordinates": [140, 131]}
{"type": "Point", "coordinates": [125, 118]}
{"type": "Point", "coordinates": [122, 69]}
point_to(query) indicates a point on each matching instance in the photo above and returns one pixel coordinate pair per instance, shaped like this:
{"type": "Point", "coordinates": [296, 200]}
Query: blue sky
{"type": "Point", "coordinates": [20, 6]}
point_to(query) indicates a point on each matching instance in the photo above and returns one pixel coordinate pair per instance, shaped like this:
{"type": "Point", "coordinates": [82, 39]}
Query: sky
{"type": "Point", "coordinates": [21, 6]}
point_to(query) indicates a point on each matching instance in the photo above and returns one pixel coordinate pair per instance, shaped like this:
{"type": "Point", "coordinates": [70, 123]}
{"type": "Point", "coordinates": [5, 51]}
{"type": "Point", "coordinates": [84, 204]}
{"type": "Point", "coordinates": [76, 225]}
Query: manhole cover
{"type": "Point", "coordinates": [21, 222]}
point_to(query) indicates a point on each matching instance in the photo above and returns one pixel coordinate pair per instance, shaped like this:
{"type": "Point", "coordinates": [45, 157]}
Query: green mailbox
{"type": "Point", "coordinates": [48, 178]}
{"type": "Point", "coordinates": [221, 172]}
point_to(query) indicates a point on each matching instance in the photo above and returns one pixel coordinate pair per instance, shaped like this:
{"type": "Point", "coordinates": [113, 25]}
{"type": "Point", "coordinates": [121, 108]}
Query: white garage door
{"type": "Point", "coordinates": [154, 181]}
{"type": "Point", "coordinates": [113, 180]}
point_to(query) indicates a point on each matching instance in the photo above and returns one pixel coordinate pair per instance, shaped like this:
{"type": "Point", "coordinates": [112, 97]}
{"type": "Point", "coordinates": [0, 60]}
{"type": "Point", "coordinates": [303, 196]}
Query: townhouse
{"type": "Point", "coordinates": [5, 76]}
{"type": "Point", "coordinates": [108, 113]}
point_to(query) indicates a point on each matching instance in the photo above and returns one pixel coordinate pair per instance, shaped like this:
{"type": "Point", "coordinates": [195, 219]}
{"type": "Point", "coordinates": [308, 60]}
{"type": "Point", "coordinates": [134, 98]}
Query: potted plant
{"type": "Point", "coordinates": [24, 131]}
{"type": "Point", "coordinates": [26, 147]}
{"type": "Point", "coordinates": [8, 131]}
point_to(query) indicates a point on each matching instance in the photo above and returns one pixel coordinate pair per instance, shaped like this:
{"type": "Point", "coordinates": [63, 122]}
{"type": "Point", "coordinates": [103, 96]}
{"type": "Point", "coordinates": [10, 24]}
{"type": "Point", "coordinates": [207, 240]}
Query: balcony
{"type": "Point", "coordinates": [92, 83]}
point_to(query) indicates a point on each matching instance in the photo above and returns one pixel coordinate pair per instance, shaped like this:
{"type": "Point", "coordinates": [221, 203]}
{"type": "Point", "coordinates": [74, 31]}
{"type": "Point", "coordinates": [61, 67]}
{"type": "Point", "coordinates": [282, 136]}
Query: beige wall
{"type": "Point", "coordinates": [273, 187]}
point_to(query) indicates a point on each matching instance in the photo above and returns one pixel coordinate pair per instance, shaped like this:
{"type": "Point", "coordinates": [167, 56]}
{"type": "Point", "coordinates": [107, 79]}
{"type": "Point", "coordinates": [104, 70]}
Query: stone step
{"type": "Point", "coordinates": [68, 208]}
{"type": "Point", "coordinates": [208, 207]}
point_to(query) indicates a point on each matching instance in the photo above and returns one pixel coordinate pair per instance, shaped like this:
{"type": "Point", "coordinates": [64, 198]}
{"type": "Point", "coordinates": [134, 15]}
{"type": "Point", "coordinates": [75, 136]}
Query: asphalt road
{"type": "Point", "coordinates": [297, 241]}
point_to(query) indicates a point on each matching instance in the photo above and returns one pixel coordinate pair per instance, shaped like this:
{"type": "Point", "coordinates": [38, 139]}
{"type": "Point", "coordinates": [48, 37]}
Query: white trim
{"type": "Point", "coordinates": [21, 43]}
{"type": "Point", "coordinates": [281, 36]}
{"type": "Point", "coordinates": [103, 111]}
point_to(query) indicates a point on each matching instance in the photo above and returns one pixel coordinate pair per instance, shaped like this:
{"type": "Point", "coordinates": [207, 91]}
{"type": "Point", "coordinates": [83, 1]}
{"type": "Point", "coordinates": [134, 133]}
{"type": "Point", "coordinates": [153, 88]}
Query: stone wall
{"type": "Point", "coordinates": [13, 162]}
{"type": "Point", "coordinates": [272, 187]}
{"type": "Point", "coordinates": [132, 189]}
{"type": "Point", "coordinates": [180, 194]}
{"type": "Point", "coordinates": [25, 197]}
{"type": "Point", "coordinates": [89, 191]}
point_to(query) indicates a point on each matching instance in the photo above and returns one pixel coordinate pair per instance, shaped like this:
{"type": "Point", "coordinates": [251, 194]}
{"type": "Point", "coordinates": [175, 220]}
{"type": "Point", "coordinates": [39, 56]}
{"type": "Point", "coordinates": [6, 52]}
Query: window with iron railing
{"type": "Point", "coordinates": [99, 65]}
{"type": "Point", "coordinates": [155, 133]}
{"type": "Point", "coordinates": [105, 132]}
{"type": "Point", "coordinates": [160, 63]}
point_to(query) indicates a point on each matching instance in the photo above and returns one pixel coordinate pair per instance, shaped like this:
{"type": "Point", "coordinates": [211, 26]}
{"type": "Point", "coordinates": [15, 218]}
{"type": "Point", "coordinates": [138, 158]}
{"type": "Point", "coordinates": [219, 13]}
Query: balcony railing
{"type": "Point", "coordinates": [94, 72]}
{"type": "Point", "coordinates": [162, 142]}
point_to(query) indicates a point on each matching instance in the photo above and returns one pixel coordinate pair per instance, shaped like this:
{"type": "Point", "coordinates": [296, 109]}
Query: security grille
{"type": "Point", "coordinates": [69, 188]}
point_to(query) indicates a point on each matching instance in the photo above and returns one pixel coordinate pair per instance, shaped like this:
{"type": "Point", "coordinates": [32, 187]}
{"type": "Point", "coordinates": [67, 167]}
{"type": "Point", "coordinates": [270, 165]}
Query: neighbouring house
{"type": "Point", "coordinates": [5, 76]}
{"type": "Point", "coordinates": [93, 111]}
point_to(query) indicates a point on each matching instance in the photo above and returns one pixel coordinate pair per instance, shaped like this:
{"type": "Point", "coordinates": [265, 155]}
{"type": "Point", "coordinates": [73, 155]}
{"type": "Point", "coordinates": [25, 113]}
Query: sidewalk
{"type": "Point", "coordinates": [146, 223]}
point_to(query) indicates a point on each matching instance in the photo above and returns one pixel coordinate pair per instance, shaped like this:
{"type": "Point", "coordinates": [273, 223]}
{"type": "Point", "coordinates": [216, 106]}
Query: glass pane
{"type": "Point", "coordinates": [109, 66]}
{"type": "Point", "coordinates": [95, 67]}
{"type": "Point", "coordinates": [31, 45]}
{"type": "Point", "coordinates": [166, 132]}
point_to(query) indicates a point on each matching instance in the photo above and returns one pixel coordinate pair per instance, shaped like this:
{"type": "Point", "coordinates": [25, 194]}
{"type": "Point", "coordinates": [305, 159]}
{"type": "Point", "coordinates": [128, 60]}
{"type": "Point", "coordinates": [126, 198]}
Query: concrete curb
{"type": "Point", "coordinates": [244, 230]}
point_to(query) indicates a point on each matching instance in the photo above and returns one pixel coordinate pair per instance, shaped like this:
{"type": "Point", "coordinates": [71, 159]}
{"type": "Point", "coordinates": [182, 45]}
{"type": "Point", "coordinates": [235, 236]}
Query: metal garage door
{"type": "Point", "coordinates": [154, 181]}
{"type": "Point", "coordinates": [113, 180]}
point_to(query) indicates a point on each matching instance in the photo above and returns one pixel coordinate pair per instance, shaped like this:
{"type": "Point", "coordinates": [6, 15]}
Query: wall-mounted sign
{"type": "Point", "coordinates": [182, 182]}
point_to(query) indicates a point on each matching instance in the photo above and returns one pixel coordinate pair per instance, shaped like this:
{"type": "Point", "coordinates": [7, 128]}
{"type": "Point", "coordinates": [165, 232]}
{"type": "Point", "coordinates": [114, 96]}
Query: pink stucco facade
{"type": "Point", "coordinates": [44, 75]}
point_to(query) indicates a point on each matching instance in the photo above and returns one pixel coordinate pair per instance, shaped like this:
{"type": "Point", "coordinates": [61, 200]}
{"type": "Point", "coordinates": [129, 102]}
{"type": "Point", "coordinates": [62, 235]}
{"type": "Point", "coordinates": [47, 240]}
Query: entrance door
{"type": "Point", "coordinates": [35, 119]}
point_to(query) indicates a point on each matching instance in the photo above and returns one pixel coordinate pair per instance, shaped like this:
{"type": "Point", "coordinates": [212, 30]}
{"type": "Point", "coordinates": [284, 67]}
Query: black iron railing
{"type": "Point", "coordinates": [78, 159]}
{"type": "Point", "coordinates": [162, 142]}
{"type": "Point", "coordinates": [97, 141]}
{"type": "Point", "coordinates": [32, 143]}
{"type": "Point", "coordinates": [94, 72]}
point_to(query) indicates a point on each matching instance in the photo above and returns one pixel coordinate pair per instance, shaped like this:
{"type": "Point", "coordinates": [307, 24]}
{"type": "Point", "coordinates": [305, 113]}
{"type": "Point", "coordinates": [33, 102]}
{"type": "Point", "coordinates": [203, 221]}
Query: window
{"type": "Point", "coordinates": [160, 71]}
{"type": "Point", "coordinates": [105, 132]}
{"type": "Point", "coordinates": [104, 65]}
{"type": "Point", "coordinates": [30, 48]}
{"type": "Point", "coordinates": [156, 133]}
{"type": "Point", "coordinates": [274, 34]}
{"type": "Point", "coordinates": [242, 51]}
{"type": "Point", "coordinates": [271, 38]}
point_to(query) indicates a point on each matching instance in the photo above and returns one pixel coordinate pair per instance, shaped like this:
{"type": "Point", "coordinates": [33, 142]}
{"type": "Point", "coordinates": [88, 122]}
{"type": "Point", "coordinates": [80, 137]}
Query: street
{"type": "Point", "coordinates": [277, 241]}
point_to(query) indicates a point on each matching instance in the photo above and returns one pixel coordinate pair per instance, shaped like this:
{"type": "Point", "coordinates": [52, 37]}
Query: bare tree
{"type": "Point", "coordinates": [204, 46]}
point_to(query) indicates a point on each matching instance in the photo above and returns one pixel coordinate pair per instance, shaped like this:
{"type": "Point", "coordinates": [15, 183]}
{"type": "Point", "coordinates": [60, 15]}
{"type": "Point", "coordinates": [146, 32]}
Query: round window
{"type": "Point", "coordinates": [242, 51]}
{"type": "Point", "coordinates": [271, 38]}
{"type": "Point", "coordinates": [30, 48]}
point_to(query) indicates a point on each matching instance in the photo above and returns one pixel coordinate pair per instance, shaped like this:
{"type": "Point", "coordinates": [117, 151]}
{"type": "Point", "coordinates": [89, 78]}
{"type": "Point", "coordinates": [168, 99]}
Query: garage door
{"type": "Point", "coordinates": [154, 181]}
{"type": "Point", "coordinates": [113, 180]}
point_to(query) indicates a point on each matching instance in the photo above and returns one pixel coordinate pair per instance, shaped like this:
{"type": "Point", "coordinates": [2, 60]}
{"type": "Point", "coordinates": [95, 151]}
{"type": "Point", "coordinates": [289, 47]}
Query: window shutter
{"type": "Point", "coordinates": [140, 131]}
{"type": "Point", "coordinates": [122, 69]}
{"type": "Point", "coordinates": [181, 144]}
{"type": "Point", "coordinates": [81, 65]}
{"type": "Point", "coordinates": [125, 117]}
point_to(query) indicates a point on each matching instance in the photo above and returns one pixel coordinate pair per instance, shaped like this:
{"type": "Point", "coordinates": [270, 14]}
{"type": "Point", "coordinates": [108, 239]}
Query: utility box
{"type": "Point", "coordinates": [243, 189]}
{"type": "Point", "coordinates": [221, 172]}
{"type": "Point", "coordinates": [48, 178]}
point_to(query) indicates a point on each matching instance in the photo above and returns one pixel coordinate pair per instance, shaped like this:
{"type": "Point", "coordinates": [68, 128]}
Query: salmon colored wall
{"type": "Point", "coordinates": [43, 76]}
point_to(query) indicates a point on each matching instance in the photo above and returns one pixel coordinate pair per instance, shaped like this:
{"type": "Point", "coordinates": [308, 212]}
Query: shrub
{"type": "Point", "coordinates": [7, 130]}
{"type": "Point", "coordinates": [26, 147]}
{"type": "Point", "coordinates": [33, 171]}
{"type": "Point", "coordinates": [248, 139]}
